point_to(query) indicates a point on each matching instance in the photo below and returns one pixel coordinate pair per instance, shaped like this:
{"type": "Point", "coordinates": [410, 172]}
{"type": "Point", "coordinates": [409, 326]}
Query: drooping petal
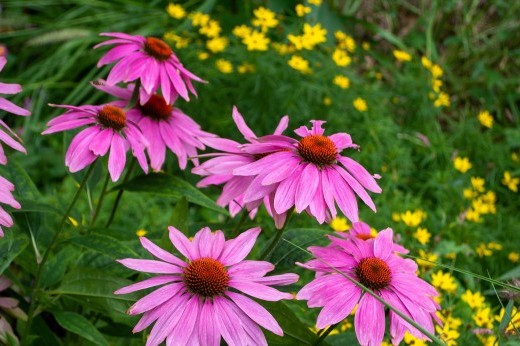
{"type": "Point", "coordinates": [369, 321]}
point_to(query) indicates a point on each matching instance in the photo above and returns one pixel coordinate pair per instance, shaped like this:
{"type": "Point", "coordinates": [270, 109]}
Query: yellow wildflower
{"type": "Point", "coordinates": [282, 48]}
{"type": "Point", "coordinates": [436, 71]}
{"type": "Point", "coordinates": [427, 258]}
{"type": "Point", "coordinates": [224, 66]}
{"type": "Point", "coordinates": [473, 216]}
{"type": "Point", "coordinates": [315, 34]}
{"type": "Point", "coordinates": [485, 119]}
{"type": "Point", "coordinates": [469, 193]}
{"type": "Point", "coordinates": [426, 62]}
{"type": "Point", "coordinates": [413, 219]}
{"type": "Point", "coordinates": [299, 64]}
{"type": "Point", "coordinates": [515, 157]}
{"type": "Point", "coordinates": [339, 224]}
{"type": "Point", "coordinates": [264, 18]}
{"type": "Point", "coordinates": [478, 184]}
{"type": "Point", "coordinates": [179, 41]}
{"type": "Point", "coordinates": [315, 2]}
{"type": "Point", "coordinates": [217, 44]}
{"type": "Point", "coordinates": [342, 81]}
{"type": "Point", "coordinates": [462, 164]}
{"type": "Point", "coordinates": [514, 320]}
{"type": "Point", "coordinates": [211, 29]}
{"type": "Point", "coordinates": [141, 232]}
{"type": "Point", "coordinates": [256, 41]}
{"type": "Point", "coordinates": [360, 104]}
{"type": "Point", "coordinates": [482, 250]}
{"type": "Point", "coordinates": [422, 235]}
{"type": "Point", "coordinates": [345, 41]}
{"type": "Point", "coordinates": [510, 182]}
{"type": "Point", "coordinates": [411, 340]}
{"type": "Point", "coordinates": [302, 10]}
{"type": "Point", "coordinates": [242, 31]}
{"type": "Point", "coordinates": [443, 99]}
{"type": "Point", "coordinates": [495, 246]}
{"type": "Point", "coordinates": [396, 217]}
{"type": "Point", "coordinates": [73, 221]}
{"type": "Point", "coordinates": [199, 19]}
{"type": "Point", "coordinates": [365, 46]}
{"type": "Point", "coordinates": [246, 68]}
{"type": "Point", "coordinates": [176, 11]}
{"type": "Point", "coordinates": [474, 300]}
{"type": "Point", "coordinates": [203, 55]}
{"type": "Point", "coordinates": [327, 101]}
{"type": "Point", "coordinates": [436, 85]}
{"type": "Point", "coordinates": [513, 256]}
{"type": "Point", "coordinates": [444, 281]}
{"type": "Point", "coordinates": [451, 255]}
{"type": "Point", "coordinates": [489, 197]}
{"type": "Point", "coordinates": [483, 318]}
{"type": "Point", "coordinates": [401, 55]}
{"type": "Point", "coordinates": [448, 335]}
{"type": "Point", "coordinates": [341, 57]}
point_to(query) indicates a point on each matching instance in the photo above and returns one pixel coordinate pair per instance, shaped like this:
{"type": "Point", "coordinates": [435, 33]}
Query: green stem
{"type": "Point", "coordinates": [32, 307]}
{"type": "Point", "coordinates": [135, 95]}
{"type": "Point", "coordinates": [120, 194]}
{"type": "Point", "coordinates": [243, 218]}
{"type": "Point", "coordinates": [267, 252]}
{"type": "Point", "coordinates": [324, 333]}
{"type": "Point", "coordinates": [100, 201]}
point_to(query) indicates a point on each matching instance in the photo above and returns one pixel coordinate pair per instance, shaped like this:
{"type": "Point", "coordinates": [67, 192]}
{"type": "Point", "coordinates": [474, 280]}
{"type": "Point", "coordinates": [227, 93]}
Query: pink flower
{"type": "Point", "coordinates": [6, 134]}
{"type": "Point", "coordinates": [219, 170]}
{"type": "Point", "coordinates": [6, 197]}
{"type": "Point", "coordinates": [163, 126]}
{"type": "Point", "coordinates": [374, 264]}
{"type": "Point", "coordinates": [150, 60]}
{"type": "Point", "coordinates": [309, 174]}
{"type": "Point", "coordinates": [202, 298]}
{"type": "Point", "coordinates": [10, 305]}
{"type": "Point", "coordinates": [109, 129]}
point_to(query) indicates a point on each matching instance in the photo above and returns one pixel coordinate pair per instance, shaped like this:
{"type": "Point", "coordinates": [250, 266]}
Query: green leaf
{"type": "Point", "coordinates": [10, 247]}
{"type": "Point", "coordinates": [31, 206]}
{"type": "Point", "coordinates": [170, 186]}
{"type": "Point", "coordinates": [79, 325]}
{"type": "Point", "coordinates": [513, 273]}
{"type": "Point", "coordinates": [507, 315]}
{"type": "Point", "coordinates": [104, 244]}
{"type": "Point", "coordinates": [25, 187]}
{"type": "Point", "coordinates": [93, 283]}
{"type": "Point", "coordinates": [295, 332]}
{"type": "Point", "coordinates": [348, 338]}
{"type": "Point", "coordinates": [286, 254]}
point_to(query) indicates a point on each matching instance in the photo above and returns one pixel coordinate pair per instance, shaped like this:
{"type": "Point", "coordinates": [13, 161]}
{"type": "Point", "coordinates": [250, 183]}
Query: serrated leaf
{"type": "Point", "coordinates": [170, 186]}
{"type": "Point", "coordinates": [10, 247]}
{"type": "Point", "coordinates": [104, 244]}
{"type": "Point", "coordinates": [77, 324]}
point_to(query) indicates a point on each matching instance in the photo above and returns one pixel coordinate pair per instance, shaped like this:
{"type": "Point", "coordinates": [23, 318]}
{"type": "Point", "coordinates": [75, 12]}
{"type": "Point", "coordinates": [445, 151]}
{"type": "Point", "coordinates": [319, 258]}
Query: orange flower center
{"type": "Point", "coordinates": [374, 273]}
{"type": "Point", "coordinates": [317, 149]}
{"type": "Point", "coordinates": [113, 117]}
{"type": "Point", "coordinates": [157, 48]}
{"type": "Point", "coordinates": [156, 108]}
{"type": "Point", "coordinates": [364, 236]}
{"type": "Point", "coordinates": [206, 277]}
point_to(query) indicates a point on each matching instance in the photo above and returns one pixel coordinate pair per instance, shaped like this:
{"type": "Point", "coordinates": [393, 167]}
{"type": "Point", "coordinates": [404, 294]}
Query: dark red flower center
{"type": "Point", "coordinates": [374, 273]}
{"type": "Point", "coordinates": [157, 48]}
{"type": "Point", "coordinates": [156, 108]}
{"type": "Point", "coordinates": [317, 149]}
{"type": "Point", "coordinates": [206, 277]}
{"type": "Point", "coordinates": [113, 117]}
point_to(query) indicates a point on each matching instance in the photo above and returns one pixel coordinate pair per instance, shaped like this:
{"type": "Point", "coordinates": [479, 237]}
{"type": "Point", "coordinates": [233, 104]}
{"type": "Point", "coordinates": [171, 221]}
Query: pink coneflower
{"type": "Point", "coordinates": [362, 231]}
{"type": "Point", "coordinates": [202, 299]}
{"type": "Point", "coordinates": [309, 174]}
{"type": "Point", "coordinates": [109, 130]}
{"type": "Point", "coordinates": [6, 197]}
{"type": "Point", "coordinates": [11, 306]}
{"type": "Point", "coordinates": [150, 60]}
{"type": "Point", "coordinates": [163, 125]}
{"type": "Point", "coordinates": [219, 169]}
{"type": "Point", "coordinates": [8, 106]}
{"type": "Point", "coordinates": [376, 266]}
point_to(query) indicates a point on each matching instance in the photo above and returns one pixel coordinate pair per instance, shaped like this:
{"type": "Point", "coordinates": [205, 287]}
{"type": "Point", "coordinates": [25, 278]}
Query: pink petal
{"type": "Point", "coordinates": [241, 125]}
{"type": "Point", "coordinates": [151, 282]}
{"type": "Point", "coordinates": [360, 173]}
{"type": "Point", "coordinates": [306, 187]}
{"type": "Point", "coordinates": [156, 298]}
{"type": "Point", "coordinates": [161, 253]}
{"type": "Point", "coordinates": [369, 321]}
{"type": "Point", "coordinates": [182, 244]}
{"type": "Point", "coordinates": [207, 329]}
{"type": "Point", "coordinates": [383, 244]}
{"type": "Point", "coordinates": [259, 291]}
{"type": "Point", "coordinates": [235, 250]}
{"type": "Point", "coordinates": [337, 309]}
{"type": "Point", "coordinates": [150, 266]}
{"type": "Point", "coordinates": [117, 158]}
{"type": "Point", "coordinates": [10, 107]}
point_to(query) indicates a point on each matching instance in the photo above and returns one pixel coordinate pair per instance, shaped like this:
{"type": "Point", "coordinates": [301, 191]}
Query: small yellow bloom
{"type": "Point", "coordinates": [203, 55]}
{"type": "Point", "coordinates": [478, 184]}
{"type": "Point", "coordinates": [345, 41]}
{"type": "Point", "coordinates": [360, 104]}
{"type": "Point", "coordinates": [422, 235]}
{"type": "Point", "coordinates": [73, 221]}
{"type": "Point", "coordinates": [211, 29]}
{"type": "Point", "coordinates": [327, 101]}
{"type": "Point", "coordinates": [510, 182]}
{"type": "Point", "coordinates": [401, 55]}
{"type": "Point", "coordinates": [514, 321]}
{"type": "Point", "coordinates": [339, 224]}
{"type": "Point", "coordinates": [141, 232]}
{"type": "Point", "coordinates": [242, 31]}
{"type": "Point", "coordinates": [483, 251]}
{"type": "Point", "coordinates": [264, 18]}
{"type": "Point", "coordinates": [485, 119]}
{"type": "Point", "coordinates": [436, 85]}
{"type": "Point", "coordinates": [426, 62]}
{"type": "Point", "coordinates": [224, 66]}
{"type": "Point", "coordinates": [436, 71]}
{"type": "Point", "coordinates": [365, 46]}
{"type": "Point", "coordinates": [282, 48]}
{"type": "Point", "coordinates": [413, 219]}
{"type": "Point", "coordinates": [462, 164]}
{"type": "Point", "coordinates": [473, 216]}
{"type": "Point", "coordinates": [315, 2]}
{"type": "Point", "coordinates": [469, 193]}
{"type": "Point", "coordinates": [256, 41]}
{"type": "Point", "coordinates": [495, 246]}
{"type": "Point", "coordinates": [411, 340]}
{"type": "Point", "coordinates": [217, 44]}
{"type": "Point", "coordinates": [443, 100]}
{"type": "Point", "coordinates": [426, 259]}
{"type": "Point", "coordinates": [315, 34]}
{"type": "Point", "coordinates": [179, 41]}
{"type": "Point", "coordinates": [299, 64]}
{"type": "Point", "coordinates": [444, 281]}
{"type": "Point", "coordinates": [484, 318]}
{"type": "Point", "coordinates": [474, 300]}
{"type": "Point", "coordinates": [341, 57]}
{"type": "Point", "coordinates": [302, 10]}
{"type": "Point", "coordinates": [515, 157]}
{"type": "Point", "coordinates": [246, 68]}
{"type": "Point", "coordinates": [176, 11]}
{"type": "Point", "coordinates": [513, 256]}
{"type": "Point", "coordinates": [342, 81]}
{"type": "Point", "coordinates": [396, 217]}
{"type": "Point", "coordinates": [199, 19]}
